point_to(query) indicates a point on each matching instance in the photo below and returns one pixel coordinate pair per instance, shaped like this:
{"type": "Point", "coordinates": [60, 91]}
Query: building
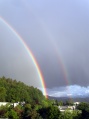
{"type": "Point", "coordinates": [64, 108]}
{"type": "Point", "coordinates": [76, 103]}
{"type": "Point", "coordinates": [7, 103]}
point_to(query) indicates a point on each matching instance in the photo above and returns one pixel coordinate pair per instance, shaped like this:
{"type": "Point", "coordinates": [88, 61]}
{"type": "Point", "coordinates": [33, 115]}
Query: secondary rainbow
{"type": "Point", "coordinates": [29, 53]}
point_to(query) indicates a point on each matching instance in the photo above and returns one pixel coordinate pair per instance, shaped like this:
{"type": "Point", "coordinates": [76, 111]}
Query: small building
{"type": "Point", "coordinates": [76, 103]}
{"type": "Point", "coordinates": [5, 103]}
{"type": "Point", "coordinates": [64, 108]}
{"type": "Point", "coordinates": [15, 104]}
{"type": "Point", "coordinates": [72, 107]}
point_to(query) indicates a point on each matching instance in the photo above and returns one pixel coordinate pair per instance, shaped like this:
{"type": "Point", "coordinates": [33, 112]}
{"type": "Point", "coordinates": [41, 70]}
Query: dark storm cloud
{"type": "Point", "coordinates": [54, 30]}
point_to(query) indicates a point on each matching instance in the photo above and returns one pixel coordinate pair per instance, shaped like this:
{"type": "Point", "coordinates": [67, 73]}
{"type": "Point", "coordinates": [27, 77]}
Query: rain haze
{"type": "Point", "coordinates": [57, 32]}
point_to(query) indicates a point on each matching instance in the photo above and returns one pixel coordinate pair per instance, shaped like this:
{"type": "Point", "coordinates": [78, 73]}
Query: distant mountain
{"type": "Point", "coordinates": [74, 99]}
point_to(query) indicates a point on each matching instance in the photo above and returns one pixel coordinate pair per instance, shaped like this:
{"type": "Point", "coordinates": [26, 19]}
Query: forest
{"type": "Point", "coordinates": [35, 106]}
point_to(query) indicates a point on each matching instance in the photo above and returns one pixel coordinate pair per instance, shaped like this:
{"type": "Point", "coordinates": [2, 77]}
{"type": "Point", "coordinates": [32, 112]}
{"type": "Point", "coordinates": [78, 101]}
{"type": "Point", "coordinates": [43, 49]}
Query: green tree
{"type": "Point", "coordinates": [34, 115]}
{"type": "Point", "coordinates": [51, 112]}
{"type": "Point", "coordinates": [11, 114]}
{"type": "Point", "coordinates": [13, 91]}
{"type": "Point", "coordinates": [56, 102]}
{"type": "Point", "coordinates": [27, 110]}
{"type": "Point", "coordinates": [84, 107]}
{"type": "Point", "coordinates": [66, 115]}
{"type": "Point", "coordinates": [3, 111]}
{"type": "Point", "coordinates": [70, 115]}
{"type": "Point", "coordinates": [69, 102]}
{"type": "Point", "coordinates": [19, 109]}
{"type": "Point", "coordinates": [61, 103]}
{"type": "Point", "coordinates": [2, 94]}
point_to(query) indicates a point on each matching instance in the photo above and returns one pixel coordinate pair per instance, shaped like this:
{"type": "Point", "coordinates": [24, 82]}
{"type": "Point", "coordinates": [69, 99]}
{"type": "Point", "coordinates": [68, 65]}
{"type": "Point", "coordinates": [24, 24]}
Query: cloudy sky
{"type": "Point", "coordinates": [57, 32]}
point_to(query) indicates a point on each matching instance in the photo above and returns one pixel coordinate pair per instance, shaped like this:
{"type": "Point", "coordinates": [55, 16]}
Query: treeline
{"type": "Point", "coordinates": [43, 112]}
{"type": "Point", "coordinates": [29, 112]}
{"type": "Point", "coordinates": [13, 91]}
{"type": "Point", "coordinates": [36, 106]}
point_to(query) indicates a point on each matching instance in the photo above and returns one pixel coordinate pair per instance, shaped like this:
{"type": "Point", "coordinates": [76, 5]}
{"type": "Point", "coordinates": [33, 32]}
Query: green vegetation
{"type": "Point", "coordinates": [13, 91]}
{"type": "Point", "coordinates": [36, 106]}
{"type": "Point", "coordinates": [70, 115]}
{"type": "Point", "coordinates": [84, 107]}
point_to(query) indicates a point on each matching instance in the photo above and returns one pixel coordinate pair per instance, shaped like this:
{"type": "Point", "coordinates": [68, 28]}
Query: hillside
{"type": "Point", "coordinates": [13, 91]}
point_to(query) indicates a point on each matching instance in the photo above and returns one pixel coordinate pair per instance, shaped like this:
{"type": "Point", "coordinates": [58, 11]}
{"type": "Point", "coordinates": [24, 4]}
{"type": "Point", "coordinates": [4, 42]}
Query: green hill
{"type": "Point", "coordinates": [14, 91]}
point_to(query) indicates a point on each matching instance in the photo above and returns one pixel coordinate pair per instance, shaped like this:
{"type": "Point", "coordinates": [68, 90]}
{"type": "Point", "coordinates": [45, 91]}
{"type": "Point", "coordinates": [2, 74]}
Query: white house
{"type": "Point", "coordinates": [76, 103]}
{"type": "Point", "coordinates": [63, 108]}
{"type": "Point", "coordinates": [5, 103]}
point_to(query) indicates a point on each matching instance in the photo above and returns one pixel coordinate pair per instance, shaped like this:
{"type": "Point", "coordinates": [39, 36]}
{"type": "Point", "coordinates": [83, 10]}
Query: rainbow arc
{"type": "Point", "coordinates": [29, 53]}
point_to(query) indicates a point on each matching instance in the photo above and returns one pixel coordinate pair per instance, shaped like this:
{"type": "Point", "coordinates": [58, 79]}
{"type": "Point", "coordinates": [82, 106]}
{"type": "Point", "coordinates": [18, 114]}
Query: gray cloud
{"type": "Point", "coordinates": [69, 91]}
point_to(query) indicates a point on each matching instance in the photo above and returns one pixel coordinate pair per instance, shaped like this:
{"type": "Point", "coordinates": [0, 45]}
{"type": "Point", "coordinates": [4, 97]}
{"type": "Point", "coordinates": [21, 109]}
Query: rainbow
{"type": "Point", "coordinates": [30, 55]}
{"type": "Point", "coordinates": [57, 52]}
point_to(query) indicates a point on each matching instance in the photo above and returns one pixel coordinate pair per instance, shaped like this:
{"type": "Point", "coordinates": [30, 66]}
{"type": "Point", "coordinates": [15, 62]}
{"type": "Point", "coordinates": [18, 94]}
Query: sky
{"type": "Point", "coordinates": [57, 32]}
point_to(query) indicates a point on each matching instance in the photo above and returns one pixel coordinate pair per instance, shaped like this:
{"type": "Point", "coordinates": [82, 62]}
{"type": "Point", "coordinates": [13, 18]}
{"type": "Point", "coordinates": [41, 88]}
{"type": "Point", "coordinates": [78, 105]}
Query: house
{"type": "Point", "coordinates": [5, 103]}
{"type": "Point", "coordinates": [76, 103]}
{"type": "Point", "coordinates": [72, 107]}
{"type": "Point", "coordinates": [63, 108]}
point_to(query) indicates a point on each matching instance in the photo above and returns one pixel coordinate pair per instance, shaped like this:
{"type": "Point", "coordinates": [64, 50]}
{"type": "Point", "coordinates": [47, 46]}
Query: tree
{"type": "Point", "coordinates": [69, 102]}
{"type": "Point", "coordinates": [34, 115]}
{"type": "Point", "coordinates": [61, 103]}
{"type": "Point", "coordinates": [56, 102]}
{"type": "Point", "coordinates": [3, 111]}
{"type": "Point", "coordinates": [13, 91]}
{"type": "Point", "coordinates": [27, 110]}
{"type": "Point", "coordinates": [51, 112]}
{"type": "Point", "coordinates": [70, 115]}
{"type": "Point", "coordinates": [2, 94]}
{"type": "Point", "coordinates": [19, 110]}
{"type": "Point", "coordinates": [84, 107]}
{"type": "Point", "coordinates": [12, 114]}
